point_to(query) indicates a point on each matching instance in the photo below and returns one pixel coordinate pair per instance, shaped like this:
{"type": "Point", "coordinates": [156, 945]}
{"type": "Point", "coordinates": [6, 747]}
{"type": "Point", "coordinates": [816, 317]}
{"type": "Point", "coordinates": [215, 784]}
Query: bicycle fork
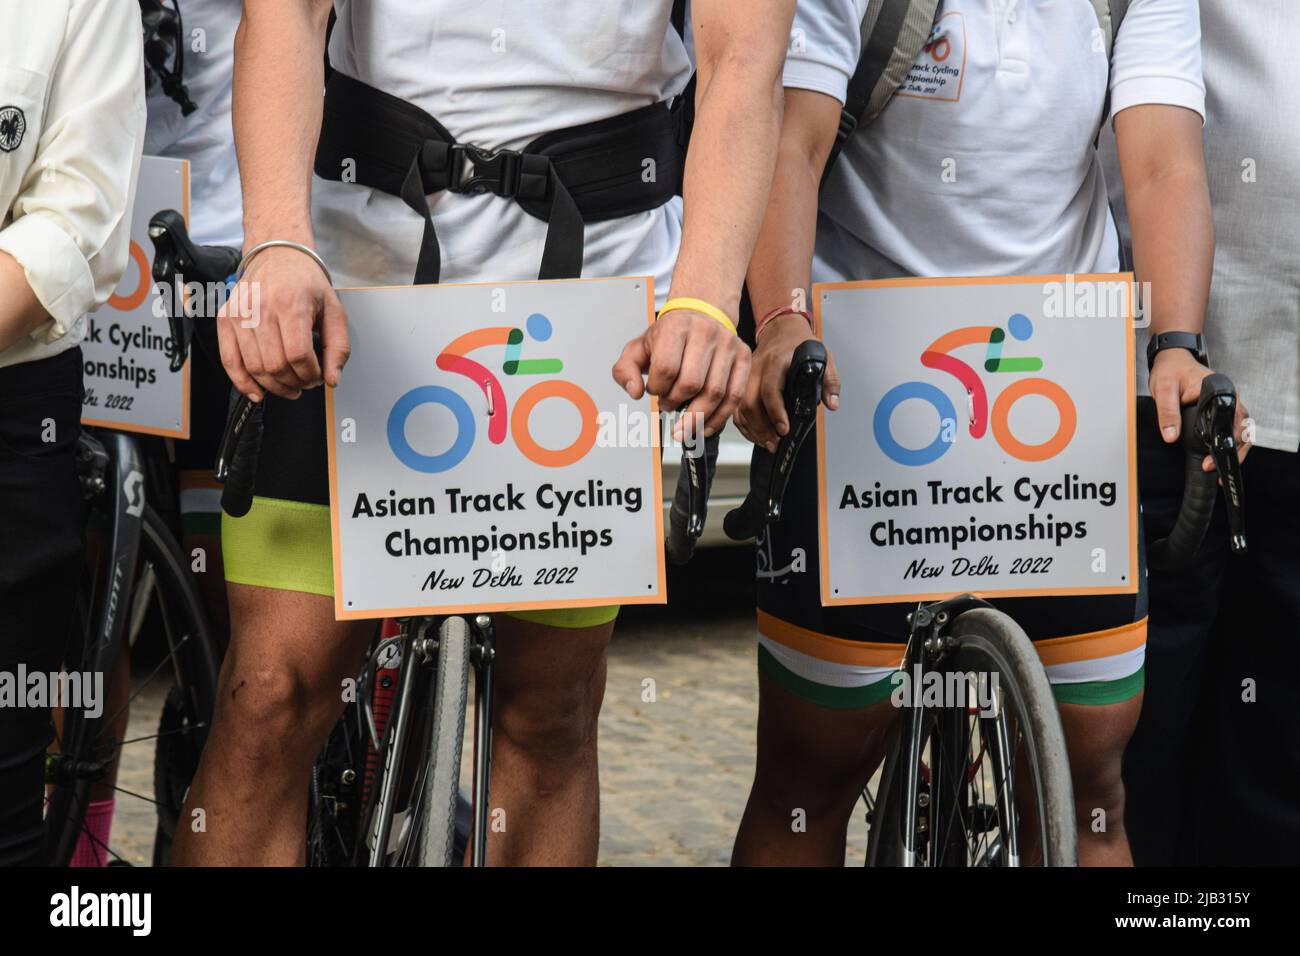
{"type": "Point", "coordinates": [483, 657]}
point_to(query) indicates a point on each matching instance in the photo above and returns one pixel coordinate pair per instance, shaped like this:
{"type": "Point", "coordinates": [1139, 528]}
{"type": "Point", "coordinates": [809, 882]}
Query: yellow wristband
{"type": "Point", "coordinates": [698, 305]}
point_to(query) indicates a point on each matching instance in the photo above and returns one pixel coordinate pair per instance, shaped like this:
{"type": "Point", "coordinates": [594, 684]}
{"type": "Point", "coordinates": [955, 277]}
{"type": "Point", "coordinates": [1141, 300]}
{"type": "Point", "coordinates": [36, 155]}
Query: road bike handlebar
{"type": "Point", "coordinates": [1207, 429]}
{"type": "Point", "coordinates": [177, 259]}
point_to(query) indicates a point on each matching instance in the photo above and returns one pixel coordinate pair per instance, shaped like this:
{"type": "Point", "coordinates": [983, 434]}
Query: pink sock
{"type": "Point", "coordinates": [92, 847]}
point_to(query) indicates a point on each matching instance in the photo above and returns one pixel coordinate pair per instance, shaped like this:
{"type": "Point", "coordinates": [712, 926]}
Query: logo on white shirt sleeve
{"type": "Point", "coordinates": [13, 124]}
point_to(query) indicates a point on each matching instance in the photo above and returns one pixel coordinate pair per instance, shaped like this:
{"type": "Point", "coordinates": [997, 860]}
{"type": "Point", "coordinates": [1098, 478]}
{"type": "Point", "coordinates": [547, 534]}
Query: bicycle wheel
{"type": "Point", "coordinates": [992, 781]}
{"type": "Point", "coordinates": [165, 596]}
{"type": "Point", "coordinates": [435, 815]}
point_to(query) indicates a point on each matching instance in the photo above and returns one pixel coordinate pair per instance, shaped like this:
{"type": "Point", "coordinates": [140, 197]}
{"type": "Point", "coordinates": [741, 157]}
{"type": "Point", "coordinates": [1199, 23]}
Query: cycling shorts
{"type": "Point", "coordinates": [1093, 647]}
{"type": "Point", "coordinates": [284, 540]}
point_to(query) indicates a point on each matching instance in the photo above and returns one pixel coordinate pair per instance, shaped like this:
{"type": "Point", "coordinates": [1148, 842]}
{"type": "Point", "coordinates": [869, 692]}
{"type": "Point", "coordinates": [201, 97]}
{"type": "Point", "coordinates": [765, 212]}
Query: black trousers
{"type": "Point", "coordinates": [41, 541]}
{"type": "Point", "coordinates": [1212, 775]}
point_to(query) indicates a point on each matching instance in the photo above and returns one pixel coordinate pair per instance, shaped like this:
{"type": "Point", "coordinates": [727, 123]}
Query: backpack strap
{"type": "Point", "coordinates": [1110, 14]}
{"type": "Point", "coordinates": [893, 34]}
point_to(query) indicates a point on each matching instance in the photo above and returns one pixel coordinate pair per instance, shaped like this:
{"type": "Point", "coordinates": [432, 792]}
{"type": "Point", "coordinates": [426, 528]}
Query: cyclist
{"type": "Point", "coordinates": [493, 76]}
{"type": "Point", "coordinates": [1028, 199]}
{"type": "Point", "coordinates": [71, 129]}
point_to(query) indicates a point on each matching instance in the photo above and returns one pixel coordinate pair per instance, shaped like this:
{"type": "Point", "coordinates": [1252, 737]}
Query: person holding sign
{"type": "Point", "coordinates": [981, 164]}
{"type": "Point", "coordinates": [454, 143]}
{"type": "Point", "coordinates": [72, 122]}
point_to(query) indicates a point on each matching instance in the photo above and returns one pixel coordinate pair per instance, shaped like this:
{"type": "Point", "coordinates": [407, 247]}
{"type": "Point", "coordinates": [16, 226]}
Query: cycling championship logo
{"type": "Point", "coordinates": [455, 359]}
{"type": "Point", "coordinates": [938, 355]}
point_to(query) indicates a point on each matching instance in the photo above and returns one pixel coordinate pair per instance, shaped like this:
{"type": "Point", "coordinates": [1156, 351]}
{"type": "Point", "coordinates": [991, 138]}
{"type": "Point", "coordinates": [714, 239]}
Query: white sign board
{"type": "Point", "coordinates": [482, 456]}
{"type": "Point", "coordinates": [984, 440]}
{"type": "Point", "coordinates": [127, 372]}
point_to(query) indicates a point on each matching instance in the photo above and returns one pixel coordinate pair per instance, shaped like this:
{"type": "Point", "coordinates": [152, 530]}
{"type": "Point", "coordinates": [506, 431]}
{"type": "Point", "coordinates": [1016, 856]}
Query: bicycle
{"type": "Point", "coordinates": [983, 779]}
{"type": "Point", "coordinates": [385, 790]}
{"type": "Point", "coordinates": [141, 581]}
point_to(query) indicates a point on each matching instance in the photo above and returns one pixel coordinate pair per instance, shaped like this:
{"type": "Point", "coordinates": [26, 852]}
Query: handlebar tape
{"type": "Point", "coordinates": [690, 501]}
{"type": "Point", "coordinates": [1214, 409]}
{"type": "Point", "coordinates": [237, 459]}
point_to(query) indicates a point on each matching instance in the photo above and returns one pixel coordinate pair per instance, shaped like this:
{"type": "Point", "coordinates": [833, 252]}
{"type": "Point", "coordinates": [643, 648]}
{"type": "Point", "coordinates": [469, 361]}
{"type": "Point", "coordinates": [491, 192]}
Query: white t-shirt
{"type": "Point", "coordinates": [204, 137]}
{"type": "Point", "coordinates": [983, 162]}
{"type": "Point", "coordinates": [498, 75]}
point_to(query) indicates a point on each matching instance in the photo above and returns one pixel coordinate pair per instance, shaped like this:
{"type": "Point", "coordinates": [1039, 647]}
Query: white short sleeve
{"type": "Point", "coordinates": [1157, 57]}
{"type": "Point", "coordinates": [825, 42]}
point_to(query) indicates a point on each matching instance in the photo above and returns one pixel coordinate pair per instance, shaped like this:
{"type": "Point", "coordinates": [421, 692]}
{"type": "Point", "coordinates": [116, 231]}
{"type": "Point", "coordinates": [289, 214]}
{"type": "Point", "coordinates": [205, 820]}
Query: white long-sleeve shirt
{"type": "Point", "coordinates": [72, 122]}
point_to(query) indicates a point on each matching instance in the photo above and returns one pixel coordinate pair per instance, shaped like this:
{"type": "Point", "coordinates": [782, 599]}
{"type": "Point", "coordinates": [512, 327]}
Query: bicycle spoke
{"type": "Point", "coordinates": [166, 733]}
{"type": "Point", "coordinates": [138, 796]}
{"type": "Point", "coordinates": [105, 724]}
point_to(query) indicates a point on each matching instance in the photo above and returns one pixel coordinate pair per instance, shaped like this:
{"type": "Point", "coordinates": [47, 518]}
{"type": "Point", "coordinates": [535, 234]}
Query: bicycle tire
{"type": "Point", "coordinates": [989, 640]}
{"type": "Point", "coordinates": [187, 712]}
{"type": "Point", "coordinates": [435, 826]}
{"type": "Point", "coordinates": [176, 596]}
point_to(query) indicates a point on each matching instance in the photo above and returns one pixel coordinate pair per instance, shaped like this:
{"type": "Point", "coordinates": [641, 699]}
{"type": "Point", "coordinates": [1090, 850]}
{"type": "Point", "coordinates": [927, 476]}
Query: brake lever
{"type": "Point", "coordinates": [803, 393]}
{"type": "Point", "coordinates": [1215, 420]}
{"type": "Point", "coordinates": [166, 272]}
{"type": "Point", "coordinates": [770, 471]}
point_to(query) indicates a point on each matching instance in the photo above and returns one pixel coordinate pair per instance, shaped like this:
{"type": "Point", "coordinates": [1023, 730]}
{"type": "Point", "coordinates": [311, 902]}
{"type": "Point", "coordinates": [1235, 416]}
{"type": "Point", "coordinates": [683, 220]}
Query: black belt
{"type": "Point", "coordinates": [583, 174]}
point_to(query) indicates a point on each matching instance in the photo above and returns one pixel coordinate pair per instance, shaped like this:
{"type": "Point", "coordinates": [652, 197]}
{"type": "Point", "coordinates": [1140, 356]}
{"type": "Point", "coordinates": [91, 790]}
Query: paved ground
{"type": "Point", "coordinates": [675, 772]}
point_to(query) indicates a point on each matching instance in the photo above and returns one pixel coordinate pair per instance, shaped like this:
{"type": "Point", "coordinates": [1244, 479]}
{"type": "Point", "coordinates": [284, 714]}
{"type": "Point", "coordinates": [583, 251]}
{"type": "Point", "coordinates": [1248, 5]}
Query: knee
{"type": "Point", "coordinates": [556, 728]}
{"type": "Point", "coordinates": [794, 776]}
{"type": "Point", "coordinates": [273, 709]}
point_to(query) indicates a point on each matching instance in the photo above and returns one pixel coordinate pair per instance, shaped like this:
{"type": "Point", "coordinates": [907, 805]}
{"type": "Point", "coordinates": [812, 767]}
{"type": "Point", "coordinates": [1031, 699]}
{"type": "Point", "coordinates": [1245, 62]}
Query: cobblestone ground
{"type": "Point", "coordinates": [675, 772]}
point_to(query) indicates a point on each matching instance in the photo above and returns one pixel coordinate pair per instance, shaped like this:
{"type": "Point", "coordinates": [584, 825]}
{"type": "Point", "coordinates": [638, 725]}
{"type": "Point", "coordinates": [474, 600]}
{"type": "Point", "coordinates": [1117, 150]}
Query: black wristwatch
{"type": "Point", "coordinates": [1194, 342]}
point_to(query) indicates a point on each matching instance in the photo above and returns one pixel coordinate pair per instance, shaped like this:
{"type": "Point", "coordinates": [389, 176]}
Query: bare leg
{"type": "Point", "coordinates": [279, 693]}
{"type": "Point", "coordinates": [1095, 738]}
{"type": "Point", "coordinates": [544, 806]}
{"type": "Point", "coordinates": [812, 765]}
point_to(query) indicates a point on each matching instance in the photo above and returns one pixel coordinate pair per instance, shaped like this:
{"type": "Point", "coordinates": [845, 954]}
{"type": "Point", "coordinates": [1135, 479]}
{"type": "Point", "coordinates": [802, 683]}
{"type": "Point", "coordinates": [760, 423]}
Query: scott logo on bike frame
{"type": "Point", "coordinates": [454, 358]}
{"type": "Point", "coordinates": [938, 356]}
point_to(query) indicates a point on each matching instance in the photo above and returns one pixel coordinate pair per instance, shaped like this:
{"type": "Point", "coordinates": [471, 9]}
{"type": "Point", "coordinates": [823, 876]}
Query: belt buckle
{"type": "Point", "coordinates": [490, 171]}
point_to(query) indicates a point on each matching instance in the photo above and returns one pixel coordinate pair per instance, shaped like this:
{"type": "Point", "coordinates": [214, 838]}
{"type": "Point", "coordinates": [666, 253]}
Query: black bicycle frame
{"type": "Point", "coordinates": [123, 478]}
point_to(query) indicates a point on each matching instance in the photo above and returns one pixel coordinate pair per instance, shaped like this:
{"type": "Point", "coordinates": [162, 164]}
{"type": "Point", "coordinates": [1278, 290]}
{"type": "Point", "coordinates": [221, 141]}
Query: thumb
{"type": "Point", "coordinates": [831, 384]}
{"type": "Point", "coordinates": [335, 347]}
{"type": "Point", "coordinates": [1168, 409]}
{"type": "Point", "coordinates": [629, 371]}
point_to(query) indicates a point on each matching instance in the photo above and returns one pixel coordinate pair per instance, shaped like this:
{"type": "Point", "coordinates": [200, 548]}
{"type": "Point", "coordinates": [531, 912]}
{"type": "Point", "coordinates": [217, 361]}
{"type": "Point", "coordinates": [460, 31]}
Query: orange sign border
{"type": "Point", "coordinates": [824, 545]}
{"type": "Point", "coordinates": [658, 596]}
{"type": "Point", "coordinates": [184, 433]}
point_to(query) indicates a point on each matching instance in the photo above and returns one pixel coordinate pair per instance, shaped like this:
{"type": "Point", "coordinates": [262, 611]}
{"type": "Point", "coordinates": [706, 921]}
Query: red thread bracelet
{"type": "Point", "coordinates": [776, 314]}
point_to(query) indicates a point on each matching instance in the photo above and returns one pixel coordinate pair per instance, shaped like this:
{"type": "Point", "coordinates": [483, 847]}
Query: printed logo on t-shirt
{"type": "Point", "coordinates": [940, 67]}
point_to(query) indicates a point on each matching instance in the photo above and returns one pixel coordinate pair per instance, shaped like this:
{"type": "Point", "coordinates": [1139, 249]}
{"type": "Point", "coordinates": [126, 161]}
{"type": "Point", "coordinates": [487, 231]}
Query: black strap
{"type": "Point", "coordinates": [1117, 10]}
{"type": "Point", "coordinates": [566, 178]}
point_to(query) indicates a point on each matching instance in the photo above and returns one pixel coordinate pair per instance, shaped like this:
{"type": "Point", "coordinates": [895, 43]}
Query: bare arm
{"type": "Point", "coordinates": [279, 75]}
{"type": "Point", "coordinates": [1168, 201]}
{"type": "Point", "coordinates": [740, 46]}
{"type": "Point", "coordinates": [21, 313]}
{"type": "Point", "coordinates": [779, 272]}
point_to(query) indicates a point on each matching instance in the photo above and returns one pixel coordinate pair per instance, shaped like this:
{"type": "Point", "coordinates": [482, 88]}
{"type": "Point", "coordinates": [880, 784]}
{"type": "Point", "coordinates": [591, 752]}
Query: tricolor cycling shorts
{"type": "Point", "coordinates": [1093, 647]}
{"type": "Point", "coordinates": [284, 540]}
